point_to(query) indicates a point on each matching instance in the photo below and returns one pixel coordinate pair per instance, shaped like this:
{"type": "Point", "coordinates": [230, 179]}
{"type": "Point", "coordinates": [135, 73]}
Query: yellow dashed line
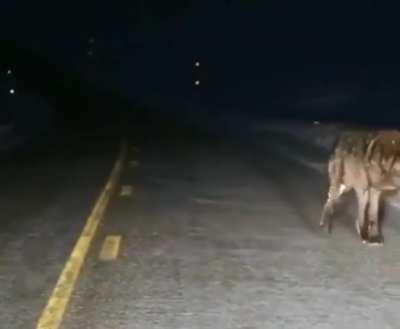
{"type": "Point", "coordinates": [54, 311]}
{"type": "Point", "coordinates": [126, 190]}
{"type": "Point", "coordinates": [110, 248]}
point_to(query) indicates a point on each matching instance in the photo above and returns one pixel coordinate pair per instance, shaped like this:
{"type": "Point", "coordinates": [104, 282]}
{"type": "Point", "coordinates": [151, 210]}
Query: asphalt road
{"type": "Point", "coordinates": [214, 234]}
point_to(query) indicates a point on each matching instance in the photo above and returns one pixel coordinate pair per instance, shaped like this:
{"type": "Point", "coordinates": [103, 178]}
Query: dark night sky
{"type": "Point", "coordinates": [253, 54]}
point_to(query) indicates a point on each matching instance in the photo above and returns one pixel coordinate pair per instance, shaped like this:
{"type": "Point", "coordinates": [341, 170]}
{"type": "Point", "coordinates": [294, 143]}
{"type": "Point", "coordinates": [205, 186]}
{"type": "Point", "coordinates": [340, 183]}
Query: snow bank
{"type": "Point", "coordinates": [307, 143]}
{"type": "Point", "coordinates": [320, 135]}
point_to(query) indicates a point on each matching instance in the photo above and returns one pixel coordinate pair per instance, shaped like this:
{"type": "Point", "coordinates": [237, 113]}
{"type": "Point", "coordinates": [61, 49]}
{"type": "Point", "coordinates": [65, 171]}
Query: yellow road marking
{"type": "Point", "coordinates": [54, 311]}
{"type": "Point", "coordinates": [110, 248]}
{"type": "Point", "coordinates": [126, 190]}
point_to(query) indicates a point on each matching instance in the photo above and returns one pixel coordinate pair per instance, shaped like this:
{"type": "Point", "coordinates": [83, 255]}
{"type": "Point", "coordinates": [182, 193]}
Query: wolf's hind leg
{"type": "Point", "coordinates": [336, 189]}
{"type": "Point", "coordinates": [334, 195]}
{"type": "Point", "coordinates": [363, 198]}
{"type": "Point", "coordinates": [374, 232]}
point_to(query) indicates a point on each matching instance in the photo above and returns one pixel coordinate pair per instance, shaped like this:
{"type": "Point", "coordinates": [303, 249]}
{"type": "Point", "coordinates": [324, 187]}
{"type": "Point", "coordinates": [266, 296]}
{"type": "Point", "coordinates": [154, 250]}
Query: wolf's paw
{"type": "Point", "coordinates": [375, 241]}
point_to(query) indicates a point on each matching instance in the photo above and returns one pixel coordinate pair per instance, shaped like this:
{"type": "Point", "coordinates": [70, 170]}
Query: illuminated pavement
{"type": "Point", "coordinates": [212, 234]}
{"type": "Point", "coordinates": [44, 201]}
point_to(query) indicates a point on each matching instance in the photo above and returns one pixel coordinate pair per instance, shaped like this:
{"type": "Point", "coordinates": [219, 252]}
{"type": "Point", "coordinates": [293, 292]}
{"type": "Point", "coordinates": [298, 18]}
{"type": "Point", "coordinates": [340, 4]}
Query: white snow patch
{"type": "Point", "coordinates": [320, 167]}
{"type": "Point", "coordinates": [322, 135]}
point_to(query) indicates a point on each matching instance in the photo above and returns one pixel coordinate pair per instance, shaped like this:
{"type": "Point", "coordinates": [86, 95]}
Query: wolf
{"type": "Point", "coordinates": [367, 162]}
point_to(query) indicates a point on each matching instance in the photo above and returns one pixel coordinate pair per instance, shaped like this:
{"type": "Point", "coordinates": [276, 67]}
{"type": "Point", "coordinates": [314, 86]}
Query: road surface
{"type": "Point", "coordinates": [214, 233]}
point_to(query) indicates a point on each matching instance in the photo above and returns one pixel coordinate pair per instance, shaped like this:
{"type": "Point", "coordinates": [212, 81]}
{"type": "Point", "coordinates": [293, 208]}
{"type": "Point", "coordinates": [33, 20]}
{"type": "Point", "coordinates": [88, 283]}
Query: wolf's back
{"type": "Point", "coordinates": [354, 143]}
{"type": "Point", "coordinates": [377, 153]}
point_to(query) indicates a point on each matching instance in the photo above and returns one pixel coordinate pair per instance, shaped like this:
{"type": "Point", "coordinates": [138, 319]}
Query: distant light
{"type": "Point", "coordinates": [12, 91]}
{"type": "Point", "coordinates": [9, 72]}
{"type": "Point", "coordinates": [90, 53]}
{"type": "Point", "coordinates": [91, 40]}
{"type": "Point", "coordinates": [316, 122]}
{"type": "Point", "coordinates": [197, 82]}
{"type": "Point", "coordinates": [197, 64]}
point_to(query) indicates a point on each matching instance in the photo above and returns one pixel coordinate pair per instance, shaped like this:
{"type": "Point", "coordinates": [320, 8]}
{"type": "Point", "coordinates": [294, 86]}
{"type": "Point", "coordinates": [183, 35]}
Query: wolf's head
{"type": "Point", "coordinates": [384, 152]}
